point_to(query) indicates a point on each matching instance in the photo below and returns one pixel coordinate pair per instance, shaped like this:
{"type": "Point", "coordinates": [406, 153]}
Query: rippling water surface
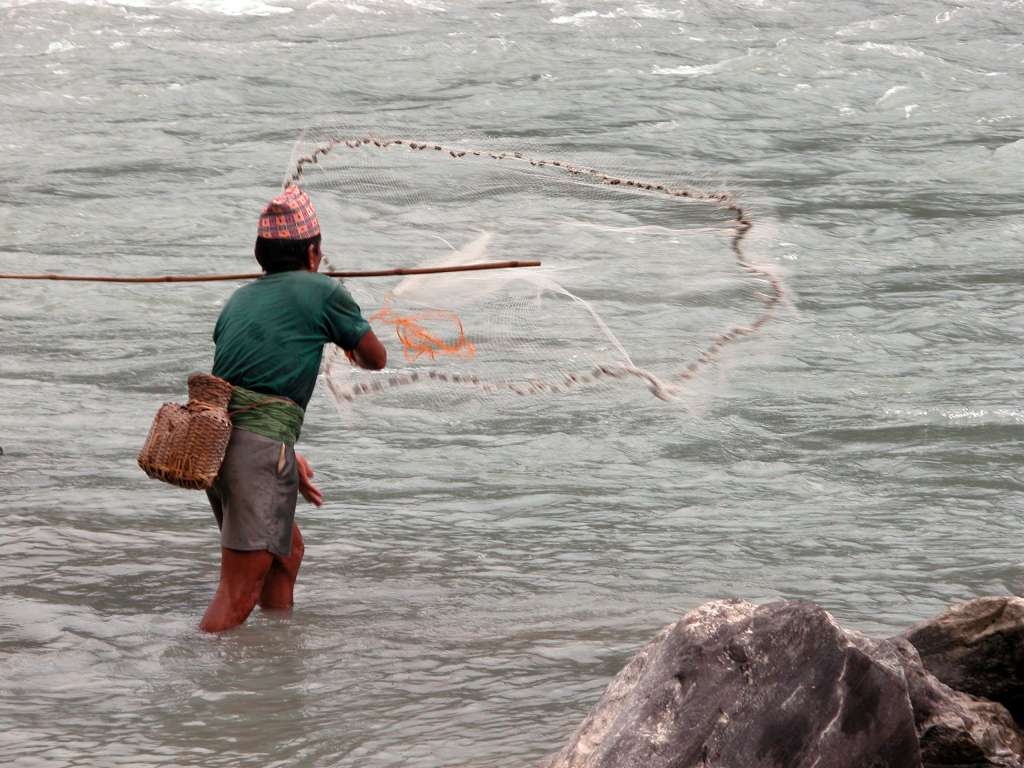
{"type": "Point", "coordinates": [475, 579]}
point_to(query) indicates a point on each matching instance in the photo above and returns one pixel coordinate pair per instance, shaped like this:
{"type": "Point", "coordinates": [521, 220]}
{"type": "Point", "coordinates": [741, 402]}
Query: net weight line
{"type": "Point", "coordinates": [741, 227]}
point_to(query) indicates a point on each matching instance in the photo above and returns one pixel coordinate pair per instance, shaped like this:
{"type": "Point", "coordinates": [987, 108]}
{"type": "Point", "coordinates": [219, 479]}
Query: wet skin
{"type": "Point", "coordinates": [260, 577]}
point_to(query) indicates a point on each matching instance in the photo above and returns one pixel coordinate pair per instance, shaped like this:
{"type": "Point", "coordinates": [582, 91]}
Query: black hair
{"type": "Point", "coordinates": [281, 255]}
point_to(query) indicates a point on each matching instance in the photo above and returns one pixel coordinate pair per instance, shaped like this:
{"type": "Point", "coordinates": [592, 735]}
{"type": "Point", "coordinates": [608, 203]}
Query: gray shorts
{"type": "Point", "coordinates": [254, 496]}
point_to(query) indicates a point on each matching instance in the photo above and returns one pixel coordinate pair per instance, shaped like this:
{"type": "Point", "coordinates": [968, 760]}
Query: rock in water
{"type": "Point", "coordinates": [978, 647]}
{"type": "Point", "coordinates": [731, 685]}
{"type": "Point", "coordinates": [956, 729]}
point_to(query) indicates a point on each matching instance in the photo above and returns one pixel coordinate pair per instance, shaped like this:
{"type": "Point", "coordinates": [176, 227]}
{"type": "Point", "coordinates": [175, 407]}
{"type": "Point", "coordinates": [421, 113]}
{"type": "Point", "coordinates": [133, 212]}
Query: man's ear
{"type": "Point", "coordinates": [313, 257]}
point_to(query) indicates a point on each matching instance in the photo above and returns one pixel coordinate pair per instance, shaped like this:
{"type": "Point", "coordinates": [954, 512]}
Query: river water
{"type": "Point", "coordinates": [473, 582]}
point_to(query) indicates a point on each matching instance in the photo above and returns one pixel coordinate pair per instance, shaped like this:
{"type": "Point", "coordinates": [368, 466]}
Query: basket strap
{"type": "Point", "coordinates": [251, 406]}
{"type": "Point", "coordinates": [199, 405]}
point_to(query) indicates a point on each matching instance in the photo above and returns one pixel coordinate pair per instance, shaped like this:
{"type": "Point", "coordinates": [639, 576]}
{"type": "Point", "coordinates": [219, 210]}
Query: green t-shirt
{"type": "Point", "coordinates": [271, 333]}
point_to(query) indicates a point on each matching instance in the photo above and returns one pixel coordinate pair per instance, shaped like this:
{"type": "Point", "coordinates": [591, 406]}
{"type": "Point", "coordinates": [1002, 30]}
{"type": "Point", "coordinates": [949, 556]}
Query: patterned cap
{"type": "Point", "coordinates": [289, 216]}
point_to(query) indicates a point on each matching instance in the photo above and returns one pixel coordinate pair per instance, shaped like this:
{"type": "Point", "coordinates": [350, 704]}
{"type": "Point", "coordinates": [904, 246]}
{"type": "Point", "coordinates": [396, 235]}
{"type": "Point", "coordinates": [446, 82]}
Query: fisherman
{"type": "Point", "coordinates": [269, 340]}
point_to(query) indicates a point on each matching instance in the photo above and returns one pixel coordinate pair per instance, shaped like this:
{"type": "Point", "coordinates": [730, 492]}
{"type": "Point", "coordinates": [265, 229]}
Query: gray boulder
{"type": "Point", "coordinates": [956, 729]}
{"type": "Point", "coordinates": [733, 685]}
{"type": "Point", "coordinates": [977, 647]}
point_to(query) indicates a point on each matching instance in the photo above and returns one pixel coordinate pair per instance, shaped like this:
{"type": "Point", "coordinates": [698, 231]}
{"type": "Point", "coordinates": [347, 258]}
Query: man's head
{"type": "Point", "coordinates": [288, 238]}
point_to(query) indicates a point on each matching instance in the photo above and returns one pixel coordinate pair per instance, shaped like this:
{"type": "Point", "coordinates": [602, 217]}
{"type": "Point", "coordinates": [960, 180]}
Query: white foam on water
{"type": "Point", "coordinates": [378, 7]}
{"type": "Point", "coordinates": [426, 6]}
{"type": "Point", "coordinates": [892, 92]}
{"type": "Point", "coordinates": [220, 7]}
{"type": "Point", "coordinates": [580, 18]}
{"type": "Point", "coordinates": [60, 46]}
{"type": "Point", "coordinates": [1012, 150]}
{"type": "Point", "coordinates": [960, 416]}
{"type": "Point", "coordinates": [653, 11]}
{"type": "Point", "coordinates": [692, 71]}
{"type": "Point", "coordinates": [868, 25]}
{"type": "Point", "coordinates": [903, 51]}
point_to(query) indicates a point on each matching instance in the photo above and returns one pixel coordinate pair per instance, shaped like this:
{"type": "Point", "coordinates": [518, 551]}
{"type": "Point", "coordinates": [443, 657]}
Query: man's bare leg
{"type": "Point", "coordinates": [279, 585]}
{"type": "Point", "coordinates": [241, 580]}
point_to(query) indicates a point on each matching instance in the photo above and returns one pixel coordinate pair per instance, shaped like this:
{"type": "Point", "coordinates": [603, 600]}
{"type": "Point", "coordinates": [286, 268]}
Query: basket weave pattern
{"type": "Point", "coordinates": [186, 444]}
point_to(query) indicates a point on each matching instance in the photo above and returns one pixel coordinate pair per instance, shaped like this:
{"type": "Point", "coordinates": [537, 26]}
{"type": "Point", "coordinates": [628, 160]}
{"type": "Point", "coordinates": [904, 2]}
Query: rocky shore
{"type": "Point", "coordinates": [782, 685]}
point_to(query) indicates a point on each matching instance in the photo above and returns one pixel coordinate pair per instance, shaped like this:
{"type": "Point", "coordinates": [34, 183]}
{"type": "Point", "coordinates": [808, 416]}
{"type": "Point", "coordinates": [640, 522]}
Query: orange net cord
{"type": "Point", "coordinates": [418, 341]}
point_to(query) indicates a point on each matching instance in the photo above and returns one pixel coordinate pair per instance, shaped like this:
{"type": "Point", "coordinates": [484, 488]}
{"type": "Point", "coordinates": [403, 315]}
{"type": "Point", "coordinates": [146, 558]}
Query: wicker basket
{"type": "Point", "coordinates": [186, 444]}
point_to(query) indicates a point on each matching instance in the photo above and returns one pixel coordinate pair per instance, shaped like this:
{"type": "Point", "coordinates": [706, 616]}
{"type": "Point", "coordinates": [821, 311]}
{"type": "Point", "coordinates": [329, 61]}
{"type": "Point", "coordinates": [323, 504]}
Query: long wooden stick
{"type": "Point", "coordinates": [254, 275]}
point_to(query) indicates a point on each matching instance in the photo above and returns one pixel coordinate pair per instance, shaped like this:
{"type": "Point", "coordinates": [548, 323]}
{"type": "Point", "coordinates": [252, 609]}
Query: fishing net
{"type": "Point", "coordinates": [645, 281]}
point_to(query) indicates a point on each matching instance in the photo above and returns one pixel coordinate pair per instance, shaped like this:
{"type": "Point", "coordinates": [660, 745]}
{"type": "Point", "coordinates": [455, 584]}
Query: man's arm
{"type": "Point", "coordinates": [345, 325]}
{"type": "Point", "coordinates": [369, 353]}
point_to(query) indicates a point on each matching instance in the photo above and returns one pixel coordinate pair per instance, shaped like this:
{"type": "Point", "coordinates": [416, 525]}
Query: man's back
{"type": "Point", "coordinates": [270, 334]}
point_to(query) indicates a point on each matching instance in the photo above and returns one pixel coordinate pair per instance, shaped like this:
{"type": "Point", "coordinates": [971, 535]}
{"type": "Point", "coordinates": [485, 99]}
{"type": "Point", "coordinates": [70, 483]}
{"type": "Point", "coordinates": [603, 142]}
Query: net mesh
{"type": "Point", "coordinates": [644, 281]}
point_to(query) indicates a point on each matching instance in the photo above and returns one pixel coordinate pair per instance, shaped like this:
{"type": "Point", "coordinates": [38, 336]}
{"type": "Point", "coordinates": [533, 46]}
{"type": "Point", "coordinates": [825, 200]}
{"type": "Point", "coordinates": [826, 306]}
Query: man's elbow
{"type": "Point", "coordinates": [376, 362]}
{"type": "Point", "coordinates": [370, 353]}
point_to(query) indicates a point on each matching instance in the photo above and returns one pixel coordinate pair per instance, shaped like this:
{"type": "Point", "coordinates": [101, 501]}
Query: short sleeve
{"type": "Point", "coordinates": [343, 320]}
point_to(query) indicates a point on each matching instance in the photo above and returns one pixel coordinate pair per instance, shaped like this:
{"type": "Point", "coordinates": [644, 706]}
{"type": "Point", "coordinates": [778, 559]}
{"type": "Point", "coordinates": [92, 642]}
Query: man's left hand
{"type": "Point", "coordinates": [309, 492]}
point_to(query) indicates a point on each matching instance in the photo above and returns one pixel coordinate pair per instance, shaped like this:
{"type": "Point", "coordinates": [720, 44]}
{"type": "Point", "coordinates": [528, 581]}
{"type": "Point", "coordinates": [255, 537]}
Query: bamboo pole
{"type": "Point", "coordinates": [253, 275]}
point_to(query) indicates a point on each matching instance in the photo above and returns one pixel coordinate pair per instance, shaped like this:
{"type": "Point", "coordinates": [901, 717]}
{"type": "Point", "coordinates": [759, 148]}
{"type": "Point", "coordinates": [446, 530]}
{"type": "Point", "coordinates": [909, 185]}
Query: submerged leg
{"type": "Point", "coordinates": [241, 579]}
{"type": "Point", "coordinates": [279, 585]}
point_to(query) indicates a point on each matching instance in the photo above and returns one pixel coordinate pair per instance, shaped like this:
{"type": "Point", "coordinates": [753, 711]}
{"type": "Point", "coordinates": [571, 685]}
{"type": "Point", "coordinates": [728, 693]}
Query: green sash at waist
{"type": "Point", "coordinates": [275, 417]}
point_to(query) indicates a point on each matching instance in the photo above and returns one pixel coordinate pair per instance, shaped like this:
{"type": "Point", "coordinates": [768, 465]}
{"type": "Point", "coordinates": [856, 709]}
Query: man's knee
{"type": "Point", "coordinates": [242, 573]}
{"type": "Point", "coordinates": [294, 559]}
{"type": "Point", "coordinates": [289, 565]}
{"type": "Point", "coordinates": [241, 580]}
